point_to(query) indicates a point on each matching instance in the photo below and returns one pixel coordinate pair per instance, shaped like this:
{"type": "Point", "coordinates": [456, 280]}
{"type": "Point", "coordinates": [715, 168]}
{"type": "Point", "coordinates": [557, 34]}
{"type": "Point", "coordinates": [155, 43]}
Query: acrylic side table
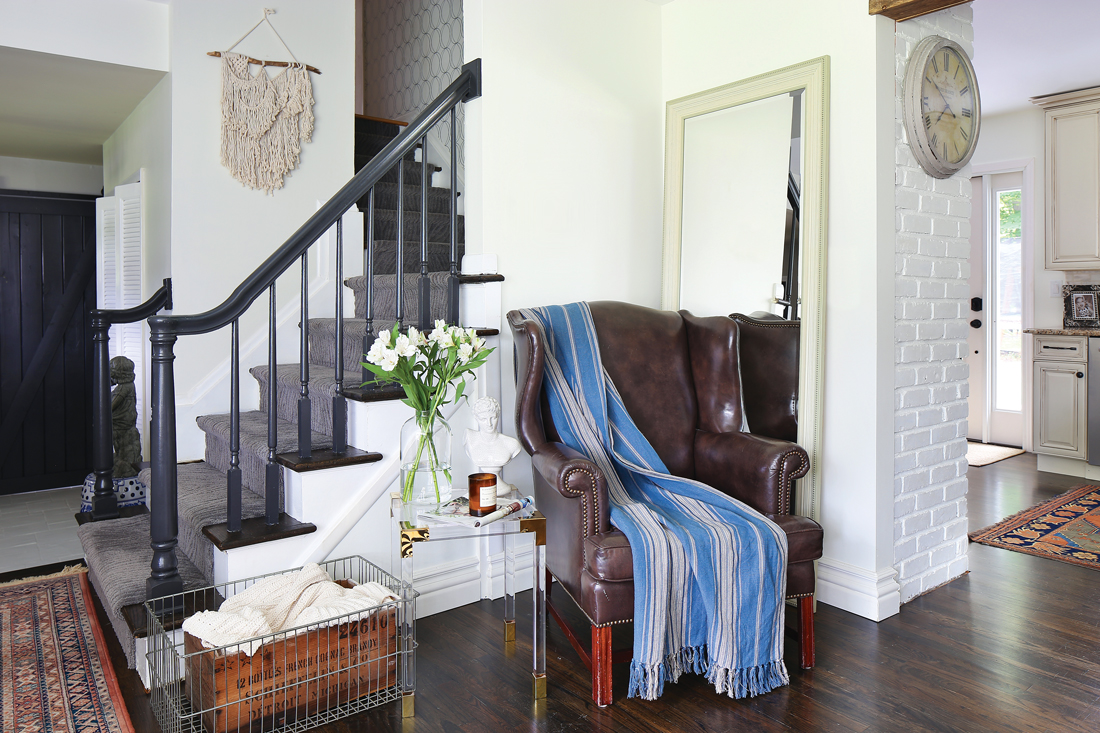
{"type": "Point", "coordinates": [408, 528]}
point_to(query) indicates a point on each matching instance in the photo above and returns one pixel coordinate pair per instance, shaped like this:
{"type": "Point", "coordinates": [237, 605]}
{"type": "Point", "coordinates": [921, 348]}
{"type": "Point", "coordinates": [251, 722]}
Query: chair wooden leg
{"type": "Point", "coordinates": [806, 612]}
{"type": "Point", "coordinates": [601, 665]}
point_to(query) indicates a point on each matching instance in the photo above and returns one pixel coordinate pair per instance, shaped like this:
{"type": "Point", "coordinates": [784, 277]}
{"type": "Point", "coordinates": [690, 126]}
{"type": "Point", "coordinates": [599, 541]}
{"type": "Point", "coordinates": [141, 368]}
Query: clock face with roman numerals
{"type": "Point", "coordinates": [942, 106]}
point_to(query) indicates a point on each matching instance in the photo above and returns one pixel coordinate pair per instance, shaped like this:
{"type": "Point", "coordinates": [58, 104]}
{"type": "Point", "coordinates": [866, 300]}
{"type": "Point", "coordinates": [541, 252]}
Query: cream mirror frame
{"type": "Point", "coordinates": [813, 78]}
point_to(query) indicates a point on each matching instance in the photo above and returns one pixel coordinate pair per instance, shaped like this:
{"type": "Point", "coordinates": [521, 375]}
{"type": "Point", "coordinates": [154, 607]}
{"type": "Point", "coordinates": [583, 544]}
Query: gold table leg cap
{"type": "Point", "coordinates": [509, 631]}
{"type": "Point", "coordinates": [408, 706]}
{"type": "Point", "coordinates": [540, 686]}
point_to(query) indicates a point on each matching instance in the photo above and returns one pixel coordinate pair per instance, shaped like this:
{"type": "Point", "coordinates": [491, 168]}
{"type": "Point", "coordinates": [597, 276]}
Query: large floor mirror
{"type": "Point", "coordinates": [745, 218]}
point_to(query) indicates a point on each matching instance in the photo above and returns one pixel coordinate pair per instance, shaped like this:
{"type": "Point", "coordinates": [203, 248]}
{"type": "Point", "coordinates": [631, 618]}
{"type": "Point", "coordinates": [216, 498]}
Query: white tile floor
{"type": "Point", "coordinates": [39, 528]}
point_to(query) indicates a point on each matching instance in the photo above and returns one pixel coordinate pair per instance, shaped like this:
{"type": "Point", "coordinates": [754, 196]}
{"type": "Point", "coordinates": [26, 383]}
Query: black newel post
{"type": "Point", "coordinates": [164, 578]}
{"type": "Point", "coordinates": [104, 503]}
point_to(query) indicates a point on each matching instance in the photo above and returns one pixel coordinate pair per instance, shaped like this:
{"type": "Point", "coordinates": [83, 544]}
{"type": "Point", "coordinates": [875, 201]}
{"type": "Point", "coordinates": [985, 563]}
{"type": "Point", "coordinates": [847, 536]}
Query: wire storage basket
{"type": "Point", "coordinates": [292, 680]}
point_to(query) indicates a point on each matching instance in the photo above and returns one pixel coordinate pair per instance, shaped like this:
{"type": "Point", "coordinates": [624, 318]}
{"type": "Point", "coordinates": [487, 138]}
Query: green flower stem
{"type": "Point", "coordinates": [406, 494]}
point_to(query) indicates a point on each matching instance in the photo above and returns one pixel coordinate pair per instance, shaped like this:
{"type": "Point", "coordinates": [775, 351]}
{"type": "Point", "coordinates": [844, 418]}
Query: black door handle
{"type": "Point", "coordinates": [975, 323]}
{"type": "Point", "coordinates": [1080, 375]}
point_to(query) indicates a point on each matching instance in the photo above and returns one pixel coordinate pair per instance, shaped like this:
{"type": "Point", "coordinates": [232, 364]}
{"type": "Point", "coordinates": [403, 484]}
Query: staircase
{"type": "Point", "coordinates": [300, 464]}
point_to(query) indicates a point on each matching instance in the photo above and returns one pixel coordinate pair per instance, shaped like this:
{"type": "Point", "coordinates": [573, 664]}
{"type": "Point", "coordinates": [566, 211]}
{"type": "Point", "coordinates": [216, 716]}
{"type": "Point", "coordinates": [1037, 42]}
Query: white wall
{"type": "Point", "coordinates": [1020, 136]}
{"type": "Point", "coordinates": [126, 32]}
{"type": "Point", "coordinates": [221, 231]}
{"type": "Point", "coordinates": [708, 43]}
{"type": "Point", "coordinates": [143, 144]}
{"type": "Point", "coordinates": [27, 174]}
{"type": "Point", "coordinates": [563, 151]}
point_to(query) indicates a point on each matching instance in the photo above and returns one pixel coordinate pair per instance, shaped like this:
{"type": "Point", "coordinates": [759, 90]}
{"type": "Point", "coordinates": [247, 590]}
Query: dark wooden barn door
{"type": "Point", "coordinates": [47, 287]}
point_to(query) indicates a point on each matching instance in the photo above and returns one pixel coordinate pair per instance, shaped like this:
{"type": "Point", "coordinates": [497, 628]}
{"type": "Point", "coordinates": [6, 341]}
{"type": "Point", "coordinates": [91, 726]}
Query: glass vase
{"type": "Point", "coordinates": [425, 459]}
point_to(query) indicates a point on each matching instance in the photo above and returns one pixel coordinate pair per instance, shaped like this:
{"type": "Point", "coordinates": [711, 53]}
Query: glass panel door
{"type": "Point", "coordinates": [1004, 332]}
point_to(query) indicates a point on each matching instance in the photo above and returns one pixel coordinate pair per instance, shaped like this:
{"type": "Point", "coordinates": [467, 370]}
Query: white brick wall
{"type": "Point", "coordinates": [932, 220]}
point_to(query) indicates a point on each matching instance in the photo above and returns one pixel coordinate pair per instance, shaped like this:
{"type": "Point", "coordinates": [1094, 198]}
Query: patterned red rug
{"type": "Point", "coordinates": [55, 672]}
{"type": "Point", "coordinates": [1065, 528]}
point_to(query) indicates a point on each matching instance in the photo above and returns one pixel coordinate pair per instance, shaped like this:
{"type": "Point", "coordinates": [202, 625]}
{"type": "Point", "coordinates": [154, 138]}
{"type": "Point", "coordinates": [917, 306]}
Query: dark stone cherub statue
{"type": "Point", "coordinates": [127, 440]}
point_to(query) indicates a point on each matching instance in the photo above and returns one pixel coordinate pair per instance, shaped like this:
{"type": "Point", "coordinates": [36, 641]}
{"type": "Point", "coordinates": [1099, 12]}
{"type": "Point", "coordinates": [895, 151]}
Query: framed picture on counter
{"type": "Point", "coordinates": [1080, 308]}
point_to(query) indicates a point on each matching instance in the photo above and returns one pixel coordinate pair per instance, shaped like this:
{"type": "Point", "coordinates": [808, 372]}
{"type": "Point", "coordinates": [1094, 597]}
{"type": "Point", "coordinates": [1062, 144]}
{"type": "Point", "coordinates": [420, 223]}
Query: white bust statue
{"type": "Point", "coordinates": [487, 448]}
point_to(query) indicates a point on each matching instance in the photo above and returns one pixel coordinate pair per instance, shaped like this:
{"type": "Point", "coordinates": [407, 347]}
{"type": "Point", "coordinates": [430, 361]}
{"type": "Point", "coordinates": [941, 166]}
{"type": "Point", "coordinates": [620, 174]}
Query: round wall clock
{"type": "Point", "coordinates": [942, 107]}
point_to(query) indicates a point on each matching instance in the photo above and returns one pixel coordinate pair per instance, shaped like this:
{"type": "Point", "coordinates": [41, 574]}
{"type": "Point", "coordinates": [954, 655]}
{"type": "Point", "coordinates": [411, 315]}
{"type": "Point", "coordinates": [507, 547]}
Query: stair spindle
{"type": "Point", "coordinates": [368, 270]}
{"type": "Point", "coordinates": [271, 476]}
{"type": "Point", "coordinates": [339, 402]}
{"type": "Point", "coordinates": [399, 268]}
{"type": "Point", "coordinates": [425, 299]}
{"type": "Point", "coordinates": [452, 280]}
{"type": "Point", "coordinates": [164, 578]}
{"type": "Point", "coordinates": [305, 433]}
{"type": "Point", "coordinates": [104, 502]}
{"type": "Point", "coordinates": [233, 477]}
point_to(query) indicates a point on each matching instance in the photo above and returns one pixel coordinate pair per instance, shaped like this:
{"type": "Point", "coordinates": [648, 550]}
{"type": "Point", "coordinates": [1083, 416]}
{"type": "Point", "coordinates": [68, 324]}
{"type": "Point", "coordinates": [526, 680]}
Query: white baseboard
{"type": "Point", "coordinates": [870, 594]}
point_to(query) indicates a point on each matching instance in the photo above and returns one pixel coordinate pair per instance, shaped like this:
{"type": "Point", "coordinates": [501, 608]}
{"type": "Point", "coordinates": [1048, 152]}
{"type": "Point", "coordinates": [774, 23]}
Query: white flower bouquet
{"type": "Point", "coordinates": [427, 366]}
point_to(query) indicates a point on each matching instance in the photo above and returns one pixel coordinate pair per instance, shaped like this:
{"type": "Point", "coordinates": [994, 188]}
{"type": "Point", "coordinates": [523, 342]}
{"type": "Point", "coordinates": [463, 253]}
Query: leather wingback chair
{"type": "Point", "coordinates": [679, 379]}
{"type": "Point", "coordinates": [769, 374]}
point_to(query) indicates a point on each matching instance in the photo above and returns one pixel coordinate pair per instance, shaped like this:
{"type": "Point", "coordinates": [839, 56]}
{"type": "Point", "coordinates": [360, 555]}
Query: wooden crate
{"type": "Point", "coordinates": [292, 678]}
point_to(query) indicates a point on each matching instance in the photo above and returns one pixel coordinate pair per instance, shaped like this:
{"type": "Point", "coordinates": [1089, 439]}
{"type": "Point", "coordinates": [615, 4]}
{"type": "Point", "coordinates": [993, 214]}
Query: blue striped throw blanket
{"type": "Point", "coordinates": [709, 571]}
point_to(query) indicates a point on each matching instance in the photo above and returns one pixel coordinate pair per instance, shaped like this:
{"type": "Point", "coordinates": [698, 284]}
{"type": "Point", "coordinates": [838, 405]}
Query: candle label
{"type": "Point", "coordinates": [487, 499]}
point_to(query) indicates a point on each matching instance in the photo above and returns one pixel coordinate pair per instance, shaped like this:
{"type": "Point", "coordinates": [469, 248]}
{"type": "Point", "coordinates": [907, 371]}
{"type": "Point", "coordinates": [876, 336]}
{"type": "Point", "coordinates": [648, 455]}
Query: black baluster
{"type": "Point", "coordinates": [425, 300]}
{"type": "Point", "coordinates": [233, 477]}
{"type": "Point", "coordinates": [305, 432]}
{"type": "Point", "coordinates": [368, 271]}
{"type": "Point", "coordinates": [339, 402]}
{"type": "Point", "coordinates": [164, 578]}
{"type": "Point", "coordinates": [399, 269]}
{"type": "Point", "coordinates": [271, 477]}
{"type": "Point", "coordinates": [452, 280]}
{"type": "Point", "coordinates": [104, 502]}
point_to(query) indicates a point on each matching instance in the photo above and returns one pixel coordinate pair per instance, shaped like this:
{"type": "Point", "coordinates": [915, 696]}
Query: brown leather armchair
{"type": "Point", "coordinates": [679, 378]}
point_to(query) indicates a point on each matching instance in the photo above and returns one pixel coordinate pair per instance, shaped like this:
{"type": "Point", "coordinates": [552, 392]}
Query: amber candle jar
{"type": "Point", "coordinates": [483, 494]}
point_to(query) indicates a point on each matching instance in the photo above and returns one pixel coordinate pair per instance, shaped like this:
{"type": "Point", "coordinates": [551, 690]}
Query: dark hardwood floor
{"type": "Point", "coordinates": [1012, 646]}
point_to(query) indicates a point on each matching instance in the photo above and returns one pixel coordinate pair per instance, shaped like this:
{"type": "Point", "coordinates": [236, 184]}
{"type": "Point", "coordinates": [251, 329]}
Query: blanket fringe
{"type": "Point", "coordinates": [690, 659]}
{"type": "Point", "coordinates": [647, 681]}
{"type": "Point", "coordinates": [749, 681]}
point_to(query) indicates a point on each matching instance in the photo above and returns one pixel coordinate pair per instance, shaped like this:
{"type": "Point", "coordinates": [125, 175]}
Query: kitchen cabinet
{"type": "Point", "coordinates": [1060, 394]}
{"type": "Point", "coordinates": [1072, 179]}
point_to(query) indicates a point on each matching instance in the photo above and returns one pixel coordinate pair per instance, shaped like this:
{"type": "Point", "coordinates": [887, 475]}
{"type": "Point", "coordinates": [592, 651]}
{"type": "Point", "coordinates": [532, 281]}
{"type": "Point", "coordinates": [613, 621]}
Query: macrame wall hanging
{"type": "Point", "coordinates": [265, 119]}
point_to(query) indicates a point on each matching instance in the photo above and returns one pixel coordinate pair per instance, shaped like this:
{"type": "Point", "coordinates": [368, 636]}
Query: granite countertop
{"type": "Point", "coordinates": [1063, 331]}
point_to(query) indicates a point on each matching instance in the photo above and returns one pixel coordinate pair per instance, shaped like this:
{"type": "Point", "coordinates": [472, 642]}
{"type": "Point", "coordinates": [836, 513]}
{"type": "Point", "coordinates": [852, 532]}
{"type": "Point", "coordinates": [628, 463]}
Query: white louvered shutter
{"type": "Point", "coordinates": [119, 241]}
{"type": "Point", "coordinates": [106, 243]}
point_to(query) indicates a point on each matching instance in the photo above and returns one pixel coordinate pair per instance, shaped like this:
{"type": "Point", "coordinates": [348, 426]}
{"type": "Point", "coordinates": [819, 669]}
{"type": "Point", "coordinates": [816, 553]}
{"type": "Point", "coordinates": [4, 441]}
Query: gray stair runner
{"type": "Point", "coordinates": [439, 227]}
{"type": "Point", "coordinates": [288, 386]}
{"type": "Point", "coordinates": [253, 454]}
{"type": "Point", "coordinates": [201, 491]}
{"type": "Point", "coordinates": [439, 256]}
{"type": "Point", "coordinates": [385, 295]}
{"type": "Point", "coordinates": [385, 197]}
{"type": "Point", "coordinates": [119, 557]}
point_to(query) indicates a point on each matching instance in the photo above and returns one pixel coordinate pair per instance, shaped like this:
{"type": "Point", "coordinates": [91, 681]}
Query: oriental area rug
{"type": "Point", "coordinates": [1065, 528]}
{"type": "Point", "coordinates": [55, 672]}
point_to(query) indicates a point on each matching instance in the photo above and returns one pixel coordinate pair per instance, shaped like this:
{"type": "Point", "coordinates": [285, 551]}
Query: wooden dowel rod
{"type": "Point", "coordinates": [251, 60]}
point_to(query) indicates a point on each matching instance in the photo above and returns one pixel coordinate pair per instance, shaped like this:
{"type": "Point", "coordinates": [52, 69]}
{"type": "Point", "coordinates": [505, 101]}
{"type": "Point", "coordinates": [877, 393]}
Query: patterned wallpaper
{"type": "Point", "coordinates": [413, 50]}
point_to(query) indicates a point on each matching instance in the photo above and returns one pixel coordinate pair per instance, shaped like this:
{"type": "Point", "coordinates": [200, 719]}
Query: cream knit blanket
{"type": "Point", "coordinates": [307, 598]}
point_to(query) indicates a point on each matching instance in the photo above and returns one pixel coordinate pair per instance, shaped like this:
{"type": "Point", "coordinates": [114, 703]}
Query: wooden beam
{"type": "Point", "coordinates": [906, 9]}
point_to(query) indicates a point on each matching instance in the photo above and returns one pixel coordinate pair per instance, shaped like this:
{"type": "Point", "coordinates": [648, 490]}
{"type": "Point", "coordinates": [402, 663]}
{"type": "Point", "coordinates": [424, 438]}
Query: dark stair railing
{"type": "Point", "coordinates": [789, 301]}
{"type": "Point", "coordinates": [164, 577]}
{"type": "Point", "coordinates": [104, 502]}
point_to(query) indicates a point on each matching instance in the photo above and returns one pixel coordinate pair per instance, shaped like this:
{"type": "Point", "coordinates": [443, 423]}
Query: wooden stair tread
{"type": "Point", "coordinates": [326, 458]}
{"type": "Point", "coordinates": [256, 531]}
